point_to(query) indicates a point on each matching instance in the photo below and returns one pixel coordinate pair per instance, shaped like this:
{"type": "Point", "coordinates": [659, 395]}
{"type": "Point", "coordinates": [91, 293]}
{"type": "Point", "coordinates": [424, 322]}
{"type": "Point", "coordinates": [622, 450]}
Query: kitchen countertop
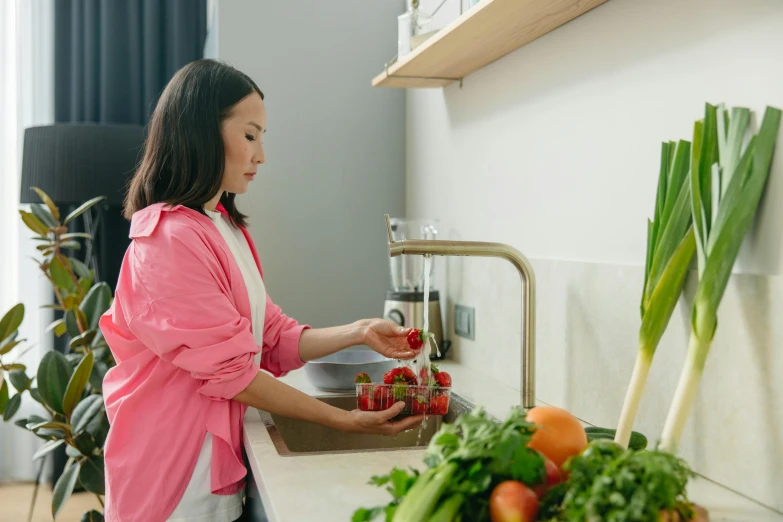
{"type": "Point", "coordinates": [331, 487]}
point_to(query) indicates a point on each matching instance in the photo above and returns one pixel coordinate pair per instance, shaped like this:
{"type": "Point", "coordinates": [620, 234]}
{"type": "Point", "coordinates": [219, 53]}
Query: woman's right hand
{"type": "Point", "coordinates": [378, 422]}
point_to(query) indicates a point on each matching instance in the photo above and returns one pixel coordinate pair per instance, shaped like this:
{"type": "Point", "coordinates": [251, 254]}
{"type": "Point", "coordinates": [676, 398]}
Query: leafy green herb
{"type": "Point", "coordinates": [607, 483]}
{"type": "Point", "coordinates": [465, 460]}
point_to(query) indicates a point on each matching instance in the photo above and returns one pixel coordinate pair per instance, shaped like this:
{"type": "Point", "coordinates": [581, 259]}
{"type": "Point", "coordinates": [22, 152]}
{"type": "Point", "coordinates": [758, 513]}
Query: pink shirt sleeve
{"type": "Point", "coordinates": [281, 341]}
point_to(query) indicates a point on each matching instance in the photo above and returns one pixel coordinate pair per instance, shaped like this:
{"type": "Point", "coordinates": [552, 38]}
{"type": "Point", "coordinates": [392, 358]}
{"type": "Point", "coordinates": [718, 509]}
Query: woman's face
{"type": "Point", "coordinates": [242, 138]}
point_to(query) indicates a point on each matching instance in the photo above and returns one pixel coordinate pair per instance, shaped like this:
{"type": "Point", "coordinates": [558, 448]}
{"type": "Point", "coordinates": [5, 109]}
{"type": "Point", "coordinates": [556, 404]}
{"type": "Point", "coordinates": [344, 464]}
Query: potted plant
{"type": "Point", "coordinates": [67, 386]}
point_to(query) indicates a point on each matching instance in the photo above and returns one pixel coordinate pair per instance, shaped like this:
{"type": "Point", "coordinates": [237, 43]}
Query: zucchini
{"type": "Point", "coordinates": [638, 441]}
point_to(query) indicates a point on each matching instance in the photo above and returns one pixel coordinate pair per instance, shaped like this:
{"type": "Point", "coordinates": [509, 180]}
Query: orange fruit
{"type": "Point", "coordinates": [559, 435]}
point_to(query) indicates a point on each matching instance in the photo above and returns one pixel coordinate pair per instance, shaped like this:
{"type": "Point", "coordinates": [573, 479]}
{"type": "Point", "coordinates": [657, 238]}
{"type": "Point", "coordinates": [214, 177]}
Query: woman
{"type": "Point", "coordinates": [191, 323]}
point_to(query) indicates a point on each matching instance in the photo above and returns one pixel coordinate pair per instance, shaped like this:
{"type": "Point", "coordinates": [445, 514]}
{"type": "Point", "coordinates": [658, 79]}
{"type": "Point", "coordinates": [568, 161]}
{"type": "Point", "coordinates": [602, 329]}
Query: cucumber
{"type": "Point", "coordinates": [638, 441]}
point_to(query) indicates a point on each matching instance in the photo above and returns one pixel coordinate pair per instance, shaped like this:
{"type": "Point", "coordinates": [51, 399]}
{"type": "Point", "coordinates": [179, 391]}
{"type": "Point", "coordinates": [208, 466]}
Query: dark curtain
{"type": "Point", "coordinates": [114, 57]}
{"type": "Point", "coordinates": [112, 60]}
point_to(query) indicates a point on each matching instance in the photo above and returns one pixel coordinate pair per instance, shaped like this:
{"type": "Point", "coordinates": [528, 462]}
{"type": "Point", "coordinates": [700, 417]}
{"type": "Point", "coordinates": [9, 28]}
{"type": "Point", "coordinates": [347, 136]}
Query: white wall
{"type": "Point", "coordinates": [335, 149]}
{"type": "Point", "coordinates": [554, 149]}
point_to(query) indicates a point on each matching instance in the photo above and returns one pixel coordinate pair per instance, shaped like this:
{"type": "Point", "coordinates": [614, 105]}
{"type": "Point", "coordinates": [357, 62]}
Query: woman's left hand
{"type": "Point", "coordinates": [388, 338]}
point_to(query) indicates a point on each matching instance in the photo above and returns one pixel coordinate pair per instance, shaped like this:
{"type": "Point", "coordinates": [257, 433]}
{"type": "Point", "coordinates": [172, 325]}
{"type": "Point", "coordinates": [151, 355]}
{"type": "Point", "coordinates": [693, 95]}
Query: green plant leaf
{"type": "Point", "coordinates": [79, 211]}
{"type": "Point", "coordinates": [85, 284]}
{"type": "Point", "coordinates": [54, 324]}
{"type": "Point", "coordinates": [64, 488]}
{"type": "Point", "coordinates": [53, 377]}
{"type": "Point", "coordinates": [79, 268]}
{"type": "Point", "coordinates": [71, 301]}
{"type": "Point", "coordinates": [11, 321]}
{"type": "Point", "coordinates": [91, 475]}
{"type": "Point", "coordinates": [43, 214]}
{"type": "Point", "coordinates": [35, 395]}
{"type": "Point", "coordinates": [82, 340]}
{"type": "Point", "coordinates": [60, 275]}
{"type": "Point", "coordinates": [10, 345]}
{"type": "Point", "coordinates": [98, 373]}
{"type": "Point", "coordinates": [73, 452]}
{"type": "Point", "coordinates": [14, 366]}
{"type": "Point", "coordinates": [84, 444]}
{"type": "Point", "coordinates": [95, 303]}
{"type": "Point", "coordinates": [71, 244]}
{"type": "Point", "coordinates": [92, 516]}
{"type": "Point", "coordinates": [21, 423]}
{"type": "Point", "coordinates": [12, 407]}
{"type": "Point", "coordinates": [20, 380]}
{"type": "Point", "coordinates": [77, 383]}
{"type": "Point", "coordinates": [84, 412]}
{"type": "Point", "coordinates": [3, 394]}
{"type": "Point", "coordinates": [70, 324]}
{"type": "Point", "coordinates": [75, 235]}
{"type": "Point", "coordinates": [33, 223]}
{"type": "Point", "coordinates": [49, 203]}
{"type": "Point", "coordinates": [99, 428]}
{"type": "Point", "coordinates": [47, 448]}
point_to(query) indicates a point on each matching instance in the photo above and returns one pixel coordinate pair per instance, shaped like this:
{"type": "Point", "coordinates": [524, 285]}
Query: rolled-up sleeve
{"type": "Point", "coordinates": [281, 341]}
{"type": "Point", "coordinates": [203, 334]}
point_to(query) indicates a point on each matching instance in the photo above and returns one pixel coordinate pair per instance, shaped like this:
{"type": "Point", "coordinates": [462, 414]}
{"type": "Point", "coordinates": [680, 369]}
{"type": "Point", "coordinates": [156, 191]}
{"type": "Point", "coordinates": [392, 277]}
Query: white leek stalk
{"type": "Point", "coordinates": [670, 249]}
{"type": "Point", "coordinates": [726, 185]}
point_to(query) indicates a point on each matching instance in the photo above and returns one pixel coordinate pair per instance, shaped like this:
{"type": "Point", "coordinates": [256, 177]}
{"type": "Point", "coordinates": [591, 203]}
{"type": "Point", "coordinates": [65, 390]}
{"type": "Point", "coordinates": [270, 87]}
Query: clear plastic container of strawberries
{"type": "Point", "coordinates": [427, 393]}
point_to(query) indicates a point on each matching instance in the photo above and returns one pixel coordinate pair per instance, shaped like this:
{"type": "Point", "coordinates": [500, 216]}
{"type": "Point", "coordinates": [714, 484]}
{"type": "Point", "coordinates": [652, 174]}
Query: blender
{"type": "Point", "coordinates": [404, 303]}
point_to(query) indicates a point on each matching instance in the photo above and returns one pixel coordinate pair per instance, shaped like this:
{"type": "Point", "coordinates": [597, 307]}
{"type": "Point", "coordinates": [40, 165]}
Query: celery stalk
{"type": "Point", "coordinates": [721, 224]}
{"type": "Point", "coordinates": [418, 504]}
{"type": "Point", "coordinates": [670, 249]}
{"type": "Point", "coordinates": [448, 510]}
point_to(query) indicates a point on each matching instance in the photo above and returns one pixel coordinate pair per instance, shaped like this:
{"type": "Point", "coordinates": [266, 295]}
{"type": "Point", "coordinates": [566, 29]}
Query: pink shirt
{"type": "Point", "coordinates": [180, 331]}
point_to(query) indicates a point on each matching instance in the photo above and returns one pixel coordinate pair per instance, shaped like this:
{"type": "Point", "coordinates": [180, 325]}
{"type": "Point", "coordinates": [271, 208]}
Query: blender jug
{"type": "Point", "coordinates": [407, 272]}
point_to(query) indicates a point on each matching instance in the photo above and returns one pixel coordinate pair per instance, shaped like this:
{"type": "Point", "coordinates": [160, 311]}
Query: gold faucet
{"type": "Point", "coordinates": [440, 247]}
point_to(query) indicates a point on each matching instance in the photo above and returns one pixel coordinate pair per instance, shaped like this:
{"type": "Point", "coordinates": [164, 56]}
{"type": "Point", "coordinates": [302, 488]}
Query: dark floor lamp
{"type": "Point", "coordinates": [74, 163]}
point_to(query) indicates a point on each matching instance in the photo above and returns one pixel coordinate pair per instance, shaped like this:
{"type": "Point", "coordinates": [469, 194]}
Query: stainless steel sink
{"type": "Point", "coordinates": [293, 437]}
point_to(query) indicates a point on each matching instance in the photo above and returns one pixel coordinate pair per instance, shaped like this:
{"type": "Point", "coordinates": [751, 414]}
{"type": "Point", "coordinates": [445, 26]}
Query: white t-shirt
{"type": "Point", "coordinates": [198, 504]}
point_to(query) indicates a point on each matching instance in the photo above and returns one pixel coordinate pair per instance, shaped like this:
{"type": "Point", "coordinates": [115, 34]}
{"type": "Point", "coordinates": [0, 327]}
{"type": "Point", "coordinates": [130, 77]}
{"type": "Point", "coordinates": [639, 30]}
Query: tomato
{"type": "Point", "coordinates": [512, 501]}
{"type": "Point", "coordinates": [553, 477]}
{"type": "Point", "coordinates": [559, 435]}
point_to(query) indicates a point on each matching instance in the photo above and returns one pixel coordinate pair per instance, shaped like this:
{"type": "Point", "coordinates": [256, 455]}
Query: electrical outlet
{"type": "Point", "coordinates": [465, 321]}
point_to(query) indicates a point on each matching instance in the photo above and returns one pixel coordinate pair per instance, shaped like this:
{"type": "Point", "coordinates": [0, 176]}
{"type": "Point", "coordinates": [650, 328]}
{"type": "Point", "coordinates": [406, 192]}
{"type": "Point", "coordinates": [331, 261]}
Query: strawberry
{"type": "Point", "coordinates": [443, 379]}
{"type": "Point", "coordinates": [383, 398]}
{"type": "Point", "coordinates": [419, 405]}
{"type": "Point", "coordinates": [365, 403]}
{"type": "Point", "coordinates": [390, 377]}
{"type": "Point", "coordinates": [426, 379]}
{"type": "Point", "coordinates": [399, 375]}
{"type": "Point", "coordinates": [362, 378]}
{"type": "Point", "coordinates": [439, 405]}
{"type": "Point", "coordinates": [408, 375]}
{"type": "Point", "coordinates": [414, 339]}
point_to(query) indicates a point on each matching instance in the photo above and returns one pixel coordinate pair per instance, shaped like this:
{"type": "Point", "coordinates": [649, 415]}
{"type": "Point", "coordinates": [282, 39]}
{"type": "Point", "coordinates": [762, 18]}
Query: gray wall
{"type": "Point", "coordinates": [335, 149]}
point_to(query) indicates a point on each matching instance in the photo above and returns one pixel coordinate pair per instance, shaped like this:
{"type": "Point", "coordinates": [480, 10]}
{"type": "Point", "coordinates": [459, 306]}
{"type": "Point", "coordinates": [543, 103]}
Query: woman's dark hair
{"type": "Point", "coordinates": [184, 157]}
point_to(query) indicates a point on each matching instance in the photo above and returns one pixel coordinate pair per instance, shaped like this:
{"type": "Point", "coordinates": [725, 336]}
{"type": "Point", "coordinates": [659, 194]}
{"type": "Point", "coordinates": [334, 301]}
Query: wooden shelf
{"type": "Point", "coordinates": [488, 31]}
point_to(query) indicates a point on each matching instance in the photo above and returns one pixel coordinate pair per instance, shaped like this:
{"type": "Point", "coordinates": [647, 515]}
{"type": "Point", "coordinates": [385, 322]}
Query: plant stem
{"type": "Point", "coordinates": [633, 396]}
{"type": "Point", "coordinates": [54, 286]}
{"type": "Point", "coordinates": [100, 500]}
{"type": "Point", "coordinates": [682, 404]}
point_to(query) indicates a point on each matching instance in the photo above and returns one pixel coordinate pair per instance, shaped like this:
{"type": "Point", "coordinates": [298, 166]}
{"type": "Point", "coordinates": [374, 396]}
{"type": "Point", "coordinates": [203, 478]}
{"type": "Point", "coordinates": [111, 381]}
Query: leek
{"type": "Point", "coordinates": [670, 249]}
{"type": "Point", "coordinates": [726, 187]}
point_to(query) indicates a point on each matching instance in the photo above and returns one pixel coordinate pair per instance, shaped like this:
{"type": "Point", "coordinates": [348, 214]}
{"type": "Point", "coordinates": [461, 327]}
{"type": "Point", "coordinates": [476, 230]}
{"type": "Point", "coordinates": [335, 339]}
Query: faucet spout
{"type": "Point", "coordinates": [520, 262]}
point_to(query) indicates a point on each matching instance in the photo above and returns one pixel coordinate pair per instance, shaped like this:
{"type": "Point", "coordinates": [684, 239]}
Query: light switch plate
{"type": "Point", "coordinates": [465, 321]}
